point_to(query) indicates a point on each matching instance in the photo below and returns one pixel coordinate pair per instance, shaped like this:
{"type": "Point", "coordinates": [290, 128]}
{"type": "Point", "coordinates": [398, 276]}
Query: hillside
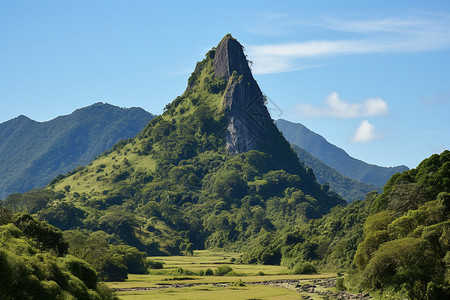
{"type": "Point", "coordinates": [334, 156]}
{"type": "Point", "coordinates": [397, 242]}
{"type": "Point", "coordinates": [32, 153]}
{"type": "Point", "coordinates": [346, 187]}
{"type": "Point", "coordinates": [212, 171]}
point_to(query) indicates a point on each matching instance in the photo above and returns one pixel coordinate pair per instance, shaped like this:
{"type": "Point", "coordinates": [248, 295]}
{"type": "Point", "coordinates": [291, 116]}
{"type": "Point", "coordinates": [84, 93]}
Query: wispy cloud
{"type": "Point", "coordinates": [335, 107]}
{"type": "Point", "coordinates": [391, 35]}
{"type": "Point", "coordinates": [365, 133]}
{"type": "Point", "coordinates": [441, 98]}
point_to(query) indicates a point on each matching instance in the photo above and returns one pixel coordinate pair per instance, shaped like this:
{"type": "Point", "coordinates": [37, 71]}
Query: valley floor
{"type": "Point", "coordinates": [179, 280]}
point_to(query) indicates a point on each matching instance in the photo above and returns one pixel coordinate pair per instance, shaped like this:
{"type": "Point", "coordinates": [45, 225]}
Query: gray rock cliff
{"type": "Point", "coordinates": [248, 117]}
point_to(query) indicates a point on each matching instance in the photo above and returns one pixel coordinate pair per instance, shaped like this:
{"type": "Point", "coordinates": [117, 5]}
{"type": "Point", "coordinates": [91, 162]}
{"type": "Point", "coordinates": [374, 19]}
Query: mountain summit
{"type": "Point", "coordinates": [243, 101]}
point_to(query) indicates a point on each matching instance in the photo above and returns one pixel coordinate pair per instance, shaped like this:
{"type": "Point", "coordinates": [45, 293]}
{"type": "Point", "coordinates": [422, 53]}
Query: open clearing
{"type": "Point", "coordinates": [168, 284]}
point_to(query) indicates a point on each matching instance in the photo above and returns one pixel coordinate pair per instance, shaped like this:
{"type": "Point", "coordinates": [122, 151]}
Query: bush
{"type": "Point", "coordinates": [181, 271]}
{"type": "Point", "coordinates": [155, 264]}
{"type": "Point", "coordinates": [304, 268]}
{"type": "Point", "coordinates": [82, 270]}
{"type": "Point", "coordinates": [223, 270]}
{"type": "Point", "coordinates": [340, 284]}
{"type": "Point", "coordinates": [209, 272]}
{"type": "Point", "coordinates": [238, 283]}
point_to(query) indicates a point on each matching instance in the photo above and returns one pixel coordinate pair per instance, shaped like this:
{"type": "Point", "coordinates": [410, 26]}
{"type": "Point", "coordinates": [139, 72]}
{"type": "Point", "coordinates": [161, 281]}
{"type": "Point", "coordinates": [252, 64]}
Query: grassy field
{"type": "Point", "coordinates": [160, 283]}
{"type": "Point", "coordinates": [216, 293]}
{"type": "Point", "coordinates": [204, 259]}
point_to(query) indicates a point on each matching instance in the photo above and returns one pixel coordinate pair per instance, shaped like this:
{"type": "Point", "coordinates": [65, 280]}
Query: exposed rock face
{"type": "Point", "coordinates": [248, 117]}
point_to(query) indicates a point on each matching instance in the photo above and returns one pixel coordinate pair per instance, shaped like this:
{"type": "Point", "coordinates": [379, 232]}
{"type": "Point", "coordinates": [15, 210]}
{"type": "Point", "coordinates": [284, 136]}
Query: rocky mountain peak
{"type": "Point", "coordinates": [230, 57]}
{"type": "Point", "coordinates": [243, 102]}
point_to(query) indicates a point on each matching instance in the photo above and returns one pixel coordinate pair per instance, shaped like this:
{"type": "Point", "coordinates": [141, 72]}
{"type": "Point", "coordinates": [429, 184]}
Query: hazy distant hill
{"type": "Point", "coordinates": [335, 157]}
{"type": "Point", "coordinates": [348, 188]}
{"type": "Point", "coordinates": [32, 153]}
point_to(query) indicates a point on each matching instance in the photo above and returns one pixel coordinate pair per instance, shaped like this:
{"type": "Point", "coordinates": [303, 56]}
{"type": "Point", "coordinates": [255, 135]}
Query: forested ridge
{"type": "Point", "coordinates": [33, 153]}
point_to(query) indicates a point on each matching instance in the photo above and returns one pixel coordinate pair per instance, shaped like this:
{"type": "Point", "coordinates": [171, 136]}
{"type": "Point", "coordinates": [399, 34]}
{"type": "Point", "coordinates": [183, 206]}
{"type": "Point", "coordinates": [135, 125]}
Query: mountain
{"type": "Point", "coordinates": [32, 153]}
{"type": "Point", "coordinates": [334, 156]}
{"type": "Point", "coordinates": [213, 171]}
{"type": "Point", "coordinates": [348, 188]}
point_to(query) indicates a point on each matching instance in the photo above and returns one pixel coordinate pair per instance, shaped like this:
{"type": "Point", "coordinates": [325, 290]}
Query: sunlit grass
{"type": "Point", "coordinates": [213, 292]}
{"type": "Point", "coordinates": [204, 288]}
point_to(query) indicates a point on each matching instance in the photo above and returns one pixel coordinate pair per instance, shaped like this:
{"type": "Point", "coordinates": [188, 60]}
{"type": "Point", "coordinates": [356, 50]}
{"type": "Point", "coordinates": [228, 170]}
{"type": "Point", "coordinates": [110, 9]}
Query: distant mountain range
{"type": "Point", "coordinates": [32, 153]}
{"type": "Point", "coordinates": [348, 188]}
{"type": "Point", "coordinates": [334, 156]}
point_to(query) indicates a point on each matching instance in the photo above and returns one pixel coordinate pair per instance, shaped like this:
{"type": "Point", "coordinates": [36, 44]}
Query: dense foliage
{"type": "Point", "coordinates": [33, 264]}
{"type": "Point", "coordinates": [406, 246]}
{"type": "Point", "coordinates": [112, 262]}
{"type": "Point", "coordinates": [329, 242]}
{"type": "Point", "coordinates": [32, 153]}
{"type": "Point", "coordinates": [397, 242]}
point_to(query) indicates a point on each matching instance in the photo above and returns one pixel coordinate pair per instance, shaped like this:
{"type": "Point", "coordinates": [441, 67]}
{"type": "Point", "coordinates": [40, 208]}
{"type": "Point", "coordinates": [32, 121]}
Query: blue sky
{"type": "Point", "coordinates": [372, 77]}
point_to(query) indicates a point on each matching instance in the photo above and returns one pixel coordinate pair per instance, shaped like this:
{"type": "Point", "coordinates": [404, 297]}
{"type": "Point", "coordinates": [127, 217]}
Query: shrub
{"type": "Point", "coordinates": [223, 270]}
{"type": "Point", "coordinates": [155, 264]}
{"type": "Point", "coordinates": [304, 268]}
{"type": "Point", "coordinates": [238, 283]}
{"type": "Point", "coordinates": [340, 284]}
{"type": "Point", "coordinates": [209, 272]}
{"type": "Point", "coordinates": [82, 270]}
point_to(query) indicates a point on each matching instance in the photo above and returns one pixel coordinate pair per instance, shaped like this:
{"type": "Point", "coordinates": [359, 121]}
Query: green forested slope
{"type": "Point", "coordinates": [407, 235]}
{"type": "Point", "coordinates": [176, 187]}
{"type": "Point", "coordinates": [397, 242]}
{"type": "Point", "coordinates": [32, 153]}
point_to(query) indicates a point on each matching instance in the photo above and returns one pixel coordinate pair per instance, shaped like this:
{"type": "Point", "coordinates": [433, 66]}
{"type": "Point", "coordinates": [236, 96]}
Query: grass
{"type": "Point", "coordinates": [204, 288]}
{"type": "Point", "coordinates": [203, 259]}
{"type": "Point", "coordinates": [86, 182]}
{"type": "Point", "coordinates": [213, 292]}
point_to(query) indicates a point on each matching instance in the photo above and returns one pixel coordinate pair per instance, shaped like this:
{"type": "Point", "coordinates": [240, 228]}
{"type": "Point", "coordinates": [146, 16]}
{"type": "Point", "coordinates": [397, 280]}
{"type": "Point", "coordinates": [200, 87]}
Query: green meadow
{"type": "Point", "coordinates": [240, 283]}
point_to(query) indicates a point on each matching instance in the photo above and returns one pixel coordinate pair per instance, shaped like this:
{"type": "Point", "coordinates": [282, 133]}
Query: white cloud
{"type": "Point", "coordinates": [365, 133]}
{"type": "Point", "coordinates": [392, 35]}
{"type": "Point", "coordinates": [335, 107]}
